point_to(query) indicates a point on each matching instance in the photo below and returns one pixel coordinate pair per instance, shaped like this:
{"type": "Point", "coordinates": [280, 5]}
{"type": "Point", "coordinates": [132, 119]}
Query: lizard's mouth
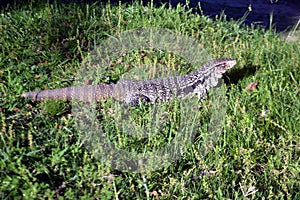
{"type": "Point", "coordinates": [234, 62]}
{"type": "Point", "coordinates": [224, 66]}
{"type": "Point", "coordinates": [231, 64]}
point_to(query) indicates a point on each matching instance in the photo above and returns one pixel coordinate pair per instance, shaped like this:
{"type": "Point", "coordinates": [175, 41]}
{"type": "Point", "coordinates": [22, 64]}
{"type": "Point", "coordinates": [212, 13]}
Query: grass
{"type": "Point", "coordinates": [43, 156]}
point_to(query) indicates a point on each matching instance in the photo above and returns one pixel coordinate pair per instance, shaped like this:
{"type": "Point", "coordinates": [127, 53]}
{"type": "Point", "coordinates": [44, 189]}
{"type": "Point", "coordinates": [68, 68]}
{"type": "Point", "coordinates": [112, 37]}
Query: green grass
{"type": "Point", "coordinates": [42, 154]}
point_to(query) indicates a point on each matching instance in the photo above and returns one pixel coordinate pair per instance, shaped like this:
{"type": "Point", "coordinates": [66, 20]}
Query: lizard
{"type": "Point", "coordinates": [133, 92]}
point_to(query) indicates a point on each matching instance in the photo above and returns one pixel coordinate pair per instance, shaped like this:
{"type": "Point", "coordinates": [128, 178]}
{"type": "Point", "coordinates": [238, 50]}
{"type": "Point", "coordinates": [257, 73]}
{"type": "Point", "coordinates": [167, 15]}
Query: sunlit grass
{"type": "Point", "coordinates": [42, 154]}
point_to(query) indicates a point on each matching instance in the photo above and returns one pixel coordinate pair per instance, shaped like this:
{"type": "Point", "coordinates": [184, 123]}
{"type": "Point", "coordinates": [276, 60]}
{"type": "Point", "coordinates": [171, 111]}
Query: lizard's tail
{"type": "Point", "coordinates": [85, 93]}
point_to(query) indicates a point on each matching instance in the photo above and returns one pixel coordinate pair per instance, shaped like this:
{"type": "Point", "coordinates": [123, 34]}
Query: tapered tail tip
{"type": "Point", "coordinates": [31, 95]}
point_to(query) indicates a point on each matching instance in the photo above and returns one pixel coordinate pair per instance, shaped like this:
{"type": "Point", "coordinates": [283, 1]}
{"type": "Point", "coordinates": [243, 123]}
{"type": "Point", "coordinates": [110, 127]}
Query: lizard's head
{"type": "Point", "coordinates": [218, 67]}
{"type": "Point", "coordinates": [224, 64]}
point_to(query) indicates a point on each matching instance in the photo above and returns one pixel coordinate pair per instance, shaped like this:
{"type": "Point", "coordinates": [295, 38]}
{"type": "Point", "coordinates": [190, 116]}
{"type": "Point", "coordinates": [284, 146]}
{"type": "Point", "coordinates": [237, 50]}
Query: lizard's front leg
{"type": "Point", "coordinates": [137, 99]}
{"type": "Point", "coordinates": [201, 92]}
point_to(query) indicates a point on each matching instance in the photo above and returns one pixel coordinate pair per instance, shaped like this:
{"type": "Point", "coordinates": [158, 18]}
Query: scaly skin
{"type": "Point", "coordinates": [131, 92]}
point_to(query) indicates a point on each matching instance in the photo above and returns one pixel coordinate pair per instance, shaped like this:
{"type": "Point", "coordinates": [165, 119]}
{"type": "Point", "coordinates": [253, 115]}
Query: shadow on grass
{"type": "Point", "coordinates": [236, 75]}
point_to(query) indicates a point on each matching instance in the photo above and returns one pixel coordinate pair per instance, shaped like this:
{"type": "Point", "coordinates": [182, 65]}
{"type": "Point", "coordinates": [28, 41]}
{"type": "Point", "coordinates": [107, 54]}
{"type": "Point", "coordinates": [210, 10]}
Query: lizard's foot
{"type": "Point", "coordinates": [139, 99]}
